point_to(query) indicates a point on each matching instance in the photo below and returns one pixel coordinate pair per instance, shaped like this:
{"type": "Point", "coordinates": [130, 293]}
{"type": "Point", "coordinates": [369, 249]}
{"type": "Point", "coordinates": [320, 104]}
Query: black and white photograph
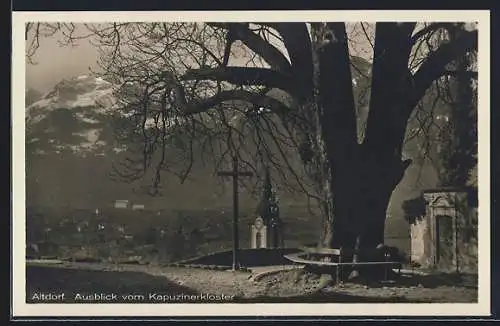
{"type": "Point", "coordinates": [316, 159]}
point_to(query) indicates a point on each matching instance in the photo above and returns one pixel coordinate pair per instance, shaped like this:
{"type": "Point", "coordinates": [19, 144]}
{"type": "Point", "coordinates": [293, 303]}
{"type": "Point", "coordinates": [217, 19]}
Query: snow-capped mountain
{"type": "Point", "coordinates": [75, 116]}
{"type": "Point", "coordinates": [81, 91]}
{"type": "Point", "coordinates": [72, 144]}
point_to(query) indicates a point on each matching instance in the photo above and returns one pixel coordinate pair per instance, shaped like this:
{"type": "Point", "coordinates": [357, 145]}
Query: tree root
{"type": "Point", "coordinates": [325, 281]}
{"type": "Point", "coordinates": [353, 275]}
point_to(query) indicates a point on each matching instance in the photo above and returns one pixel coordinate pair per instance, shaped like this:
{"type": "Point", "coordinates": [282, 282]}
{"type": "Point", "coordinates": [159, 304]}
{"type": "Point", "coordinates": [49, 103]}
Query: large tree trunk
{"type": "Point", "coordinates": [356, 197]}
{"type": "Point", "coordinates": [362, 189]}
{"type": "Point", "coordinates": [356, 180]}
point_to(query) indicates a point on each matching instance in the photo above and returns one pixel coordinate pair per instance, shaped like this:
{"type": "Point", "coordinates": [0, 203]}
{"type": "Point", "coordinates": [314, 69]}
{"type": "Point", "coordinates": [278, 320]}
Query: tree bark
{"type": "Point", "coordinates": [356, 180]}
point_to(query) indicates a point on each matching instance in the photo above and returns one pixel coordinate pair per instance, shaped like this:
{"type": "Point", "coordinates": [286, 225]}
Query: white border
{"type": "Point", "coordinates": [20, 308]}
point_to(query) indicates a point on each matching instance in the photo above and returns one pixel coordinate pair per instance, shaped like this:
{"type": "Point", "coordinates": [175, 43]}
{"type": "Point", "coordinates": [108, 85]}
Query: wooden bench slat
{"type": "Point", "coordinates": [296, 258]}
{"type": "Point", "coordinates": [371, 263]}
{"type": "Point", "coordinates": [322, 251]}
{"type": "Point", "coordinates": [328, 251]}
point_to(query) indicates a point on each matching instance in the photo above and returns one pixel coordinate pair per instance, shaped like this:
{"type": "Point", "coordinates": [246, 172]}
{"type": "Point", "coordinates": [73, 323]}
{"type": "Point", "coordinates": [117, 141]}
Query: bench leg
{"type": "Point", "coordinates": [386, 266]}
{"type": "Point", "coordinates": [339, 269]}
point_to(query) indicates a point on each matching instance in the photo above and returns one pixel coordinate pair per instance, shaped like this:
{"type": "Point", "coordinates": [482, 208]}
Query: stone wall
{"type": "Point", "coordinates": [467, 246]}
{"type": "Point", "coordinates": [418, 232]}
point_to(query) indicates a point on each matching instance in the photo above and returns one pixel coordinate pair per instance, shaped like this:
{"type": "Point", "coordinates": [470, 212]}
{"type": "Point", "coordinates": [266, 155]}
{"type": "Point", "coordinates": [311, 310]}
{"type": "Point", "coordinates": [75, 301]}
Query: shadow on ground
{"type": "Point", "coordinates": [55, 280]}
{"type": "Point", "coordinates": [408, 288]}
{"type": "Point", "coordinates": [431, 281]}
{"type": "Point", "coordinates": [324, 297]}
{"type": "Point", "coordinates": [50, 279]}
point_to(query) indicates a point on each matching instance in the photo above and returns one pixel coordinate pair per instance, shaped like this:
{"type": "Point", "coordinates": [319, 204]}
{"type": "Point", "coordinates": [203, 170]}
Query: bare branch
{"type": "Point", "coordinates": [463, 73]}
{"type": "Point", "coordinates": [298, 45]}
{"type": "Point", "coordinates": [241, 31]}
{"type": "Point", "coordinates": [366, 35]}
{"type": "Point", "coordinates": [429, 29]}
{"type": "Point", "coordinates": [436, 62]}
{"type": "Point", "coordinates": [236, 95]}
{"type": "Point", "coordinates": [245, 76]}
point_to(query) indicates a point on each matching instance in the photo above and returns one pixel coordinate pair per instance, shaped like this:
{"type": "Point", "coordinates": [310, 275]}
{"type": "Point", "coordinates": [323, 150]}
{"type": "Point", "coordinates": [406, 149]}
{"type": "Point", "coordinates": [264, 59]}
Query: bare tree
{"type": "Point", "coordinates": [294, 92]}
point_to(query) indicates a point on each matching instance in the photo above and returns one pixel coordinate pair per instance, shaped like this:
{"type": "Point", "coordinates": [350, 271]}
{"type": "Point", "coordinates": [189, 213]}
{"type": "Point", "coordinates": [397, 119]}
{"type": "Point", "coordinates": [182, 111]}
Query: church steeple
{"type": "Point", "coordinates": [264, 209]}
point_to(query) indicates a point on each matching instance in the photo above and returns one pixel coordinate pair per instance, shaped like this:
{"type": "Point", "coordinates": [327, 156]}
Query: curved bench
{"type": "Point", "coordinates": [298, 258]}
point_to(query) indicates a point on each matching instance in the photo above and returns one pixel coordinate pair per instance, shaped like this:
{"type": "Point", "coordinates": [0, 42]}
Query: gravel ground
{"type": "Point", "coordinates": [88, 278]}
{"type": "Point", "coordinates": [285, 286]}
{"type": "Point", "coordinates": [409, 288]}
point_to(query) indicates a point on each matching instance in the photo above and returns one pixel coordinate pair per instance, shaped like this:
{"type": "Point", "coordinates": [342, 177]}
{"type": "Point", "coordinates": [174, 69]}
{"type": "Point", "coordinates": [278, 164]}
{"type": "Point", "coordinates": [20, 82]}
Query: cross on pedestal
{"type": "Point", "coordinates": [235, 173]}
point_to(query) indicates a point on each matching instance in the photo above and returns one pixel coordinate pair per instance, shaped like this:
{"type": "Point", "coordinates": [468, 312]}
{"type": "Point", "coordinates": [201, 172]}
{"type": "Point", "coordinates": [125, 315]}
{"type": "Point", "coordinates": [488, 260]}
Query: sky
{"type": "Point", "coordinates": [55, 62]}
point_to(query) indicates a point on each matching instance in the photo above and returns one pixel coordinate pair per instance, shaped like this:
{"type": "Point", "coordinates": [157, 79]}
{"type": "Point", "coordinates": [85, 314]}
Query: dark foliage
{"type": "Point", "coordinates": [414, 209]}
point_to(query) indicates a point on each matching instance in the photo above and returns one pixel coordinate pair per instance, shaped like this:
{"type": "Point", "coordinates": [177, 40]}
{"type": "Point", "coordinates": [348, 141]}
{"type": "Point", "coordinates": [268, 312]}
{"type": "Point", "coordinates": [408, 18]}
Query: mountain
{"type": "Point", "coordinates": [32, 95]}
{"type": "Point", "coordinates": [71, 146]}
{"type": "Point", "coordinates": [72, 117]}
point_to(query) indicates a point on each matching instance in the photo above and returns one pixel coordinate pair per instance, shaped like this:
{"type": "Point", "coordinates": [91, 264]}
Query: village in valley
{"type": "Point", "coordinates": [239, 162]}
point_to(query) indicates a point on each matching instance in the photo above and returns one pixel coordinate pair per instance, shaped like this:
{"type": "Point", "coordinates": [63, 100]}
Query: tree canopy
{"type": "Point", "coordinates": [214, 74]}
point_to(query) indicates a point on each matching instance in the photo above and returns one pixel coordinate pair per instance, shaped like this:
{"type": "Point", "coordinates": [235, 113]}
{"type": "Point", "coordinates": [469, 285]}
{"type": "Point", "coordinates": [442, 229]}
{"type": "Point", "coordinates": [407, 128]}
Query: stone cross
{"type": "Point", "coordinates": [235, 174]}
